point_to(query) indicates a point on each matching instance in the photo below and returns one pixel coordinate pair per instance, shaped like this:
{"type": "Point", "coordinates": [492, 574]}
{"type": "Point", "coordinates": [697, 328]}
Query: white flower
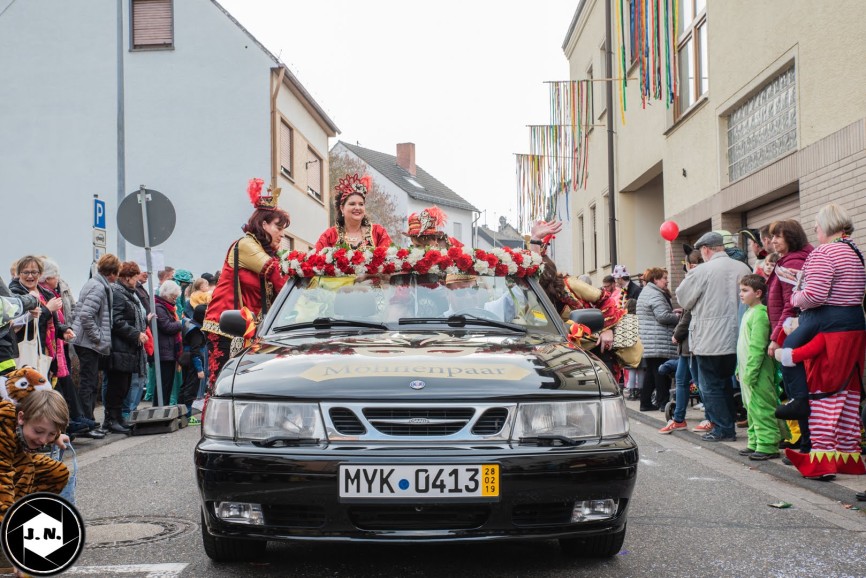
{"type": "Point", "coordinates": [481, 267]}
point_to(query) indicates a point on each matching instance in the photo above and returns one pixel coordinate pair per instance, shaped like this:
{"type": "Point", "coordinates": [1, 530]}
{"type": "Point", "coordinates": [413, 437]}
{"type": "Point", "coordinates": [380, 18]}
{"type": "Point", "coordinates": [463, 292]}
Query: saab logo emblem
{"type": "Point", "coordinates": [417, 384]}
{"type": "Point", "coordinates": [42, 534]}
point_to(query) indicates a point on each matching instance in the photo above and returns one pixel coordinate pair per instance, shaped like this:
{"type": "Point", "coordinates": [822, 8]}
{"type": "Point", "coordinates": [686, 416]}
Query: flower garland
{"type": "Point", "coordinates": [342, 262]}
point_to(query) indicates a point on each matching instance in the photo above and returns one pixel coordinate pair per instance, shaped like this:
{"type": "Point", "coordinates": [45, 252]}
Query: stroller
{"type": "Point", "coordinates": [669, 369]}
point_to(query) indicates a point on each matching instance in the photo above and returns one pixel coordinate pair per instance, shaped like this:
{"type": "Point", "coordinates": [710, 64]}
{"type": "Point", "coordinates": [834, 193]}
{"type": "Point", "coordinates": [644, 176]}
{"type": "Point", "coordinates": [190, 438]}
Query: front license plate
{"type": "Point", "coordinates": [420, 481]}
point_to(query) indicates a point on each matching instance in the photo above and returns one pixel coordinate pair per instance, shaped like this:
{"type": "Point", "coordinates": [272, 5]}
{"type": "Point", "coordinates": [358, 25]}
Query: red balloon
{"type": "Point", "coordinates": [669, 230]}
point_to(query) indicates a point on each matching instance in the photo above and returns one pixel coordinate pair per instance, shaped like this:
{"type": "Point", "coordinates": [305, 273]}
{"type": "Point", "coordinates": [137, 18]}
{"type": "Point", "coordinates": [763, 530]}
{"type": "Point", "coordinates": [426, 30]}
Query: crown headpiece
{"type": "Point", "coordinates": [353, 185]}
{"type": "Point", "coordinates": [427, 222]}
{"type": "Point", "coordinates": [267, 200]}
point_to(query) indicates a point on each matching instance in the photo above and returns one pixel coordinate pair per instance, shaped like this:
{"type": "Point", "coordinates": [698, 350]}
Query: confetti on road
{"type": "Point", "coordinates": [780, 505]}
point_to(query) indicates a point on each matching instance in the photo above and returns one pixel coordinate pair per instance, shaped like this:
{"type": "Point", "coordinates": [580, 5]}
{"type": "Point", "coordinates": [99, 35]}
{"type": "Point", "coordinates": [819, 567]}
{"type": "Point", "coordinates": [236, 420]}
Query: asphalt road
{"type": "Point", "coordinates": [695, 512]}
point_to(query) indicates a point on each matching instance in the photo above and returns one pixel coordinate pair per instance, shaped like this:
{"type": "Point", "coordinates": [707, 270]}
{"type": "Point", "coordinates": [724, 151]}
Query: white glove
{"type": "Point", "coordinates": [783, 355]}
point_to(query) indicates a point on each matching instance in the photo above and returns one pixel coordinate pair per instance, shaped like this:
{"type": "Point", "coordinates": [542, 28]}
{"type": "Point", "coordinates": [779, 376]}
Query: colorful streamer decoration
{"type": "Point", "coordinates": [558, 157]}
{"type": "Point", "coordinates": [558, 153]}
{"type": "Point", "coordinates": [651, 29]}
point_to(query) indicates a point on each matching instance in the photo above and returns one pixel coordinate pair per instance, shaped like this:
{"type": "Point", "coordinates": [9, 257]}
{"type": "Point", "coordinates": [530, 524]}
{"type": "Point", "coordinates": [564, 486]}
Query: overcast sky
{"type": "Point", "coordinates": [459, 78]}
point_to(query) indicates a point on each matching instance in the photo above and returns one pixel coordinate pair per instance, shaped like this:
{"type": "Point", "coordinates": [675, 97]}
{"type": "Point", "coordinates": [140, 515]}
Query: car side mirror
{"type": "Point", "coordinates": [592, 318]}
{"type": "Point", "coordinates": [233, 323]}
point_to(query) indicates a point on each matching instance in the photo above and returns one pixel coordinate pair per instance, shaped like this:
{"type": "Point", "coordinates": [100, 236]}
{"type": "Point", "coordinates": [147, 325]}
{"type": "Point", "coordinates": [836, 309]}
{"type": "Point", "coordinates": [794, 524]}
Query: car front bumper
{"type": "Point", "coordinates": [297, 489]}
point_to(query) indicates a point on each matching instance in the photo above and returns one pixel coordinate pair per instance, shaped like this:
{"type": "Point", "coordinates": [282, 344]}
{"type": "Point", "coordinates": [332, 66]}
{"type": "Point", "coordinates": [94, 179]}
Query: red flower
{"type": "Point", "coordinates": [388, 268]}
{"type": "Point", "coordinates": [464, 262]}
{"type": "Point", "coordinates": [358, 258]}
{"type": "Point", "coordinates": [406, 266]}
{"type": "Point", "coordinates": [402, 253]}
{"type": "Point", "coordinates": [491, 260]}
{"type": "Point", "coordinates": [502, 270]}
{"type": "Point", "coordinates": [329, 270]}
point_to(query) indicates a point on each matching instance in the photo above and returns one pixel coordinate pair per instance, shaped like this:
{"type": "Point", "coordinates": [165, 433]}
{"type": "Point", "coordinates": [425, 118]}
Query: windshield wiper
{"type": "Point", "coordinates": [329, 322]}
{"type": "Point", "coordinates": [551, 440]}
{"type": "Point", "coordinates": [462, 320]}
{"type": "Point", "coordinates": [283, 440]}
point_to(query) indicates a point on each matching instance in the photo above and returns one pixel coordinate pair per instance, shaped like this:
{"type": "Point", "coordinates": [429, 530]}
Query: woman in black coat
{"type": "Point", "coordinates": [128, 336]}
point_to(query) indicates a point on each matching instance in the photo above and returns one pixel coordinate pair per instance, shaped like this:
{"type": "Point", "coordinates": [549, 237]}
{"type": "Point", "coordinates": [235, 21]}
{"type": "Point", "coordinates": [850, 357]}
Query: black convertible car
{"type": "Point", "coordinates": [407, 408]}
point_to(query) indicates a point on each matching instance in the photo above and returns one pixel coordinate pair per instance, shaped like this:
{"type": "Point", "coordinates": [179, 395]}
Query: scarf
{"type": "Point", "coordinates": [54, 344]}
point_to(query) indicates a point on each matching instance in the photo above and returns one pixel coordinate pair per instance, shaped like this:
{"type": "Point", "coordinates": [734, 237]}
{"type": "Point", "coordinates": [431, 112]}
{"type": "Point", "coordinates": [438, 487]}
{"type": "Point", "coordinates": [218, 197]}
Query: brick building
{"type": "Point", "coordinates": [770, 123]}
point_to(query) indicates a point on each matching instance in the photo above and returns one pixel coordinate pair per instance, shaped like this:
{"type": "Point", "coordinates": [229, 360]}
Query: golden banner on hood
{"type": "Point", "coordinates": [446, 370]}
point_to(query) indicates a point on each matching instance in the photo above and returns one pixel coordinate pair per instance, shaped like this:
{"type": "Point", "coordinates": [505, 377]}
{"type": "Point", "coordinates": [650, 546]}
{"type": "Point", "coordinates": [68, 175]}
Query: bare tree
{"type": "Point", "coordinates": [380, 206]}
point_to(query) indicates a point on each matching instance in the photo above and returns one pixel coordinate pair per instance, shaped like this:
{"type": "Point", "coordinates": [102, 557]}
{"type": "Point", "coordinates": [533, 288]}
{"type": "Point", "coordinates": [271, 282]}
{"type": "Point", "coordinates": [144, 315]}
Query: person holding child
{"type": "Point", "coordinates": [757, 372]}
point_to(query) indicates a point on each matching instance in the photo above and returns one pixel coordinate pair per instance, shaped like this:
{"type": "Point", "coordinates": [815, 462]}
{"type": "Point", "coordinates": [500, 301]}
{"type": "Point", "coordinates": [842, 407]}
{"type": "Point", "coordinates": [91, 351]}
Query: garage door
{"type": "Point", "coordinates": [785, 208]}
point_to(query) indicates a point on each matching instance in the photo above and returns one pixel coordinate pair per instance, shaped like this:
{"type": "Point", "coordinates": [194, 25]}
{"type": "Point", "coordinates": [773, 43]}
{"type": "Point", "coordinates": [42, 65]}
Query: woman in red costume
{"type": "Point", "coordinates": [827, 349]}
{"type": "Point", "coordinates": [251, 277]}
{"type": "Point", "coordinates": [353, 228]}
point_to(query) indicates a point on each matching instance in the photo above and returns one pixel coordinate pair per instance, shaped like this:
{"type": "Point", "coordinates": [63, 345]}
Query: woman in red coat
{"type": "Point", "coordinates": [353, 228]}
{"type": "Point", "coordinates": [251, 277]}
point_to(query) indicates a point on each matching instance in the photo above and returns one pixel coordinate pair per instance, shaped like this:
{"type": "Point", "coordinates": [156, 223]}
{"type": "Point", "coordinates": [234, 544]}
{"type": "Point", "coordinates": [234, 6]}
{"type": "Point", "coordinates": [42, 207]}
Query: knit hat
{"type": "Point", "coordinates": [182, 276]}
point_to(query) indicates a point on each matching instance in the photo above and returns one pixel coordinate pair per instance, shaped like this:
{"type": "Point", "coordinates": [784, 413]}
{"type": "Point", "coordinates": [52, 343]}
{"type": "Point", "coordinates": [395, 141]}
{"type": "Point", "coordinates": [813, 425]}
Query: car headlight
{"type": "Point", "coordinates": [563, 421]}
{"type": "Point", "coordinates": [614, 419]}
{"type": "Point", "coordinates": [218, 419]}
{"type": "Point", "coordinates": [278, 421]}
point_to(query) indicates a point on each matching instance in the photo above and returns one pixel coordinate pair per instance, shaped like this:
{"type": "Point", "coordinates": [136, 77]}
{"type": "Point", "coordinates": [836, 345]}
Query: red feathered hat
{"type": "Point", "coordinates": [259, 200]}
{"type": "Point", "coordinates": [427, 223]}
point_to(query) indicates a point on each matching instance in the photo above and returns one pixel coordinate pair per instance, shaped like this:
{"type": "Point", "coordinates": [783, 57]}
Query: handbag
{"type": "Point", "coordinates": [630, 357]}
{"type": "Point", "coordinates": [626, 332]}
{"type": "Point", "coordinates": [30, 351]}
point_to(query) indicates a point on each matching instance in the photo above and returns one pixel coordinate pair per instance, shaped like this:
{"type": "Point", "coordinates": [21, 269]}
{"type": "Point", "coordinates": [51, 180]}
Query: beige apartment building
{"type": "Point", "coordinates": [770, 123]}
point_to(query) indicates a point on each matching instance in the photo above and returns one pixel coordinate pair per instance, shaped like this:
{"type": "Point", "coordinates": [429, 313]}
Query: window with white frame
{"type": "Point", "coordinates": [694, 80]}
{"type": "Point", "coordinates": [458, 231]}
{"type": "Point", "coordinates": [764, 127]}
{"type": "Point", "coordinates": [152, 24]}
{"type": "Point", "coordinates": [286, 149]}
{"type": "Point", "coordinates": [314, 174]}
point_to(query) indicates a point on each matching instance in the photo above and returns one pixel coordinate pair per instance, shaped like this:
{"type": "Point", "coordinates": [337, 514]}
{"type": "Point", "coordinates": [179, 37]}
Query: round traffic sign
{"type": "Point", "coordinates": [161, 218]}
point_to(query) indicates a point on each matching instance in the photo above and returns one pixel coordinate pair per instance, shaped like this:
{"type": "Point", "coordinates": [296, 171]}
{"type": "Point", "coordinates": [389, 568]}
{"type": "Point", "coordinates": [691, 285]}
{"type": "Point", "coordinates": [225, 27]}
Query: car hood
{"type": "Point", "coordinates": [412, 366]}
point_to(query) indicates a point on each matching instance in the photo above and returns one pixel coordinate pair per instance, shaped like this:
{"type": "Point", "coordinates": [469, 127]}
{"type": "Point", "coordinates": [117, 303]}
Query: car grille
{"type": "Point", "coordinates": [421, 421]}
{"type": "Point", "coordinates": [427, 422]}
{"type": "Point", "coordinates": [346, 422]}
{"type": "Point", "coordinates": [490, 422]}
{"type": "Point", "coordinates": [548, 514]}
{"type": "Point", "coordinates": [456, 517]}
{"type": "Point", "coordinates": [294, 515]}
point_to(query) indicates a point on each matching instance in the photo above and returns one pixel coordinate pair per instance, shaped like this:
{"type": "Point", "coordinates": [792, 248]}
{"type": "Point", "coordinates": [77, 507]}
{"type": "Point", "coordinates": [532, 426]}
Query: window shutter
{"type": "Point", "coordinates": [286, 148]}
{"type": "Point", "coordinates": [314, 174]}
{"type": "Point", "coordinates": [152, 23]}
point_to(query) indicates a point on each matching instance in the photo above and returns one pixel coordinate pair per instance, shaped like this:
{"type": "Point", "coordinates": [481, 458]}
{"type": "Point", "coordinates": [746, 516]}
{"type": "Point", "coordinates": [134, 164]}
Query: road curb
{"type": "Point", "coordinates": [775, 468]}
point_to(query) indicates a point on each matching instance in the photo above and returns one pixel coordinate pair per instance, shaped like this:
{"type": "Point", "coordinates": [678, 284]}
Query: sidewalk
{"type": "Point", "coordinates": [84, 445]}
{"type": "Point", "coordinates": [841, 489]}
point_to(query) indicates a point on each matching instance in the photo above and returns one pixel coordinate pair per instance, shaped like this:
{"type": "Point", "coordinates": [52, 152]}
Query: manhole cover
{"type": "Point", "coordinates": [133, 530]}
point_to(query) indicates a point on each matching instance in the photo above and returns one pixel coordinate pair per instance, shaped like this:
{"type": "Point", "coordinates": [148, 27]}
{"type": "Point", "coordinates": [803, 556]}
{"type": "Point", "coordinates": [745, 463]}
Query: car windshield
{"type": "Point", "coordinates": [407, 299]}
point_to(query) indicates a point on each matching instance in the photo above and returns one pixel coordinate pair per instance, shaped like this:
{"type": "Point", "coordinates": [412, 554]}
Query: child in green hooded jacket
{"type": "Point", "coordinates": [756, 372]}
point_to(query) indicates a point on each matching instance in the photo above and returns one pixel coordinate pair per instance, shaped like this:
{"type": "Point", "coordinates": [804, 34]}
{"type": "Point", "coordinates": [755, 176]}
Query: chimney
{"type": "Point", "coordinates": [406, 157]}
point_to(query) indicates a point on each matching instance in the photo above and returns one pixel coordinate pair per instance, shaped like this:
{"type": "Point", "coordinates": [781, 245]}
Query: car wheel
{"type": "Point", "coordinates": [603, 546]}
{"type": "Point", "coordinates": [230, 549]}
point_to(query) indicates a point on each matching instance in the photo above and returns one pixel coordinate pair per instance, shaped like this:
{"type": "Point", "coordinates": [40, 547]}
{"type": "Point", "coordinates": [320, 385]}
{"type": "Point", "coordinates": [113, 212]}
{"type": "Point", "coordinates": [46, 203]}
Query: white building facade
{"type": "Point", "coordinates": [197, 124]}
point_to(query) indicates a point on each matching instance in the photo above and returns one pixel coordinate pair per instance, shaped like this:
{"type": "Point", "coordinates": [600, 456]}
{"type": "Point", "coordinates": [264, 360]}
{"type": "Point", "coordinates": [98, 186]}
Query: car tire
{"type": "Point", "coordinates": [603, 546]}
{"type": "Point", "coordinates": [230, 549]}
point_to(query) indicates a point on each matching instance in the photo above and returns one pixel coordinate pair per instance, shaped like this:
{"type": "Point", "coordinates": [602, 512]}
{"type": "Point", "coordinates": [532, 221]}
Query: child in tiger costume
{"type": "Point", "coordinates": [32, 416]}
